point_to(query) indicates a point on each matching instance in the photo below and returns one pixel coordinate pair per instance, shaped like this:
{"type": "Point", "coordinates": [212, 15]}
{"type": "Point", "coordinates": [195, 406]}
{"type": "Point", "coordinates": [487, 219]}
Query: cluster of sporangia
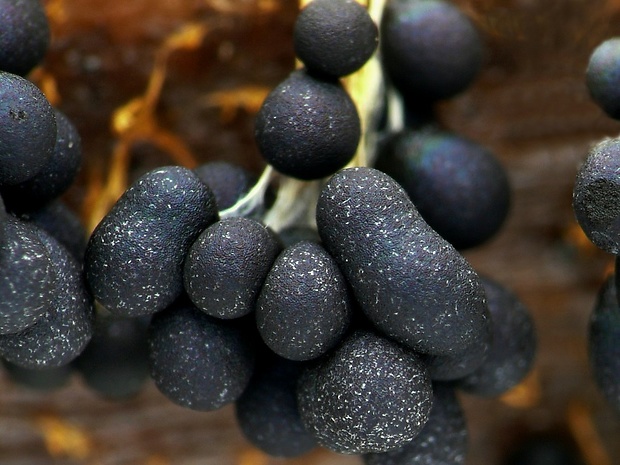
{"type": "Point", "coordinates": [354, 339]}
{"type": "Point", "coordinates": [596, 201]}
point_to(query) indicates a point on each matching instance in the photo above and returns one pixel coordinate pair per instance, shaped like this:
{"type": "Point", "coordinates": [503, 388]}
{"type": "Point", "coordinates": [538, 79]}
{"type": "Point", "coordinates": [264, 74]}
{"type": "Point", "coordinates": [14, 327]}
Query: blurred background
{"type": "Point", "coordinates": [154, 82]}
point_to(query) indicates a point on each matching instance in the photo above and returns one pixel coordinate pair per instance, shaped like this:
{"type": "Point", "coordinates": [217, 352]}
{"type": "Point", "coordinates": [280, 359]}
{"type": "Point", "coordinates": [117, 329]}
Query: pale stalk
{"type": "Point", "coordinates": [296, 200]}
{"type": "Point", "coordinates": [253, 199]}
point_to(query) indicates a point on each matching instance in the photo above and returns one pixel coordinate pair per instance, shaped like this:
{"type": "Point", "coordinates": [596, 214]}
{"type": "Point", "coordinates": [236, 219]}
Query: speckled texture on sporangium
{"type": "Point", "coordinates": [368, 395]}
{"type": "Point", "coordinates": [442, 441]}
{"type": "Point", "coordinates": [412, 284]}
{"type": "Point", "coordinates": [27, 128]}
{"type": "Point", "coordinates": [307, 128]}
{"type": "Point", "coordinates": [197, 361]}
{"type": "Point", "coordinates": [62, 333]}
{"type": "Point", "coordinates": [134, 258]}
{"type": "Point", "coordinates": [55, 176]}
{"type": "Point", "coordinates": [596, 196]}
{"type": "Point", "coordinates": [27, 279]}
{"type": "Point", "coordinates": [304, 307]}
{"type": "Point", "coordinates": [227, 266]}
{"type": "Point", "coordinates": [334, 38]}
